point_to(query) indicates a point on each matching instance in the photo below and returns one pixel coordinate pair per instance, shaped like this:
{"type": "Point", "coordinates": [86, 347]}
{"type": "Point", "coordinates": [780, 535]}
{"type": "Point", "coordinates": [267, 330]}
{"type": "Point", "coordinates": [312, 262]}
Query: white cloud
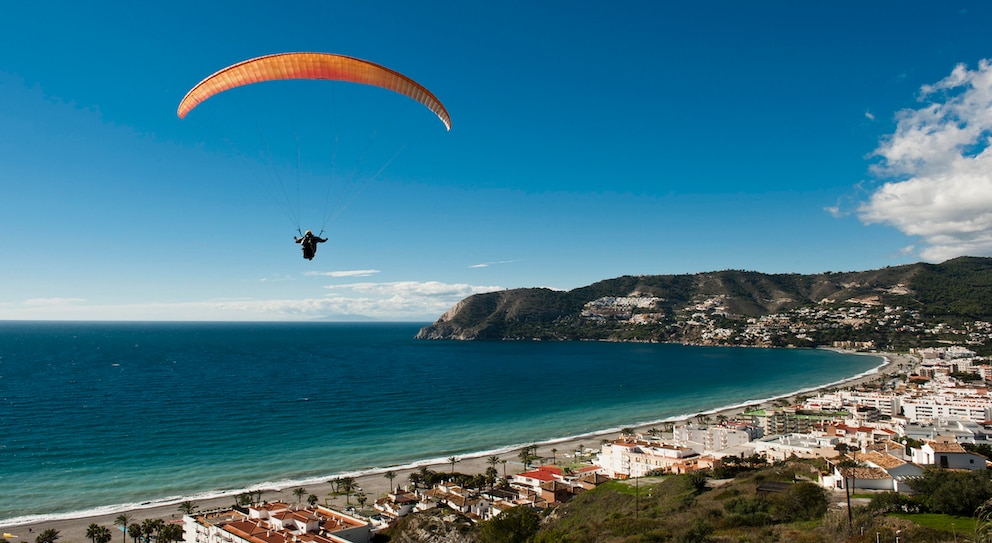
{"type": "Point", "coordinates": [406, 297]}
{"type": "Point", "coordinates": [396, 301]}
{"type": "Point", "coordinates": [940, 163]}
{"type": "Point", "coordinates": [343, 273]}
{"type": "Point", "coordinates": [869, 116]}
{"type": "Point", "coordinates": [487, 264]}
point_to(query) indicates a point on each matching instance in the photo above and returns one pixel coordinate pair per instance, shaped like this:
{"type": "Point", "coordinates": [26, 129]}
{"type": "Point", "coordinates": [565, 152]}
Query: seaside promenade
{"type": "Point", "coordinates": [376, 485]}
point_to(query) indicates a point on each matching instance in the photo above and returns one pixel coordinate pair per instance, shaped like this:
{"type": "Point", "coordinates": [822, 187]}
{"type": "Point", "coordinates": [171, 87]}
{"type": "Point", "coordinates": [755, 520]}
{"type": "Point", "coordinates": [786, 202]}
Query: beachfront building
{"type": "Point", "coordinates": [275, 523]}
{"type": "Point", "coordinates": [623, 458]}
{"type": "Point", "coordinates": [531, 481]}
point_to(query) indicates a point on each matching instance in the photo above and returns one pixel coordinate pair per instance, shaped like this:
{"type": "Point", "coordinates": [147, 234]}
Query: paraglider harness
{"type": "Point", "coordinates": [309, 243]}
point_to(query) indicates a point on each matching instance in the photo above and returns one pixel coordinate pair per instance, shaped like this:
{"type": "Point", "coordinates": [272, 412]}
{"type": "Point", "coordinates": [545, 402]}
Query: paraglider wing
{"type": "Point", "coordinates": [311, 66]}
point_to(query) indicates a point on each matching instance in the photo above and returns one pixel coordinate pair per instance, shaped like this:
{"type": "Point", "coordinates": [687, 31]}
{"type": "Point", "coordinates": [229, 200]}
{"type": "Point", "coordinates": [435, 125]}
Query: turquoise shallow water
{"type": "Point", "coordinates": [102, 416]}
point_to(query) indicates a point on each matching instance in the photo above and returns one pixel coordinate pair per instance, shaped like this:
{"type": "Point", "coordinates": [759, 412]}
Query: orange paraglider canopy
{"type": "Point", "coordinates": [311, 66]}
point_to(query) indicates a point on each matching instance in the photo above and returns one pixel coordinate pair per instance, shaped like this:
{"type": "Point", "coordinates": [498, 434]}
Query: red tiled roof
{"type": "Point", "coordinates": [540, 475]}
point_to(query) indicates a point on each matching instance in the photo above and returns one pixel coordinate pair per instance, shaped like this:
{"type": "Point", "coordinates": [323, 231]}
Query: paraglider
{"type": "Point", "coordinates": [309, 243]}
{"type": "Point", "coordinates": [312, 66]}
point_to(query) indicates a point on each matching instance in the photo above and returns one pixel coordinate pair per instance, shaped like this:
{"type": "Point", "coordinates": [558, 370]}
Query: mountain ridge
{"type": "Point", "coordinates": [681, 308]}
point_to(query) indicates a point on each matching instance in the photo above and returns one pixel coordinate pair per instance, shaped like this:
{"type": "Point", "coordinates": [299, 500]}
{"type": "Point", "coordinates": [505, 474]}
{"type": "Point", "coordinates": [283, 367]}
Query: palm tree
{"type": "Point", "coordinates": [172, 532]}
{"type": "Point", "coordinates": [50, 535]}
{"type": "Point", "coordinates": [627, 432]}
{"type": "Point", "coordinates": [347, 485]}
{"type": "Point", "coordinates": [104, 535]}
{"type": "Point", "coordinates": [527, 455]}
{"type": "Point", "coordinates": [503, 461]}
{"type": "Point", "coordinates": [390, 475]}
{"type": "Point", "coordinates": [134, 530]}
{"type": "Point", "coordinates": [299, 492]}
{"type": "Point", "coordinates": [123, 520]}
{"type": "Point", "coordinates": [491, 475]}
{"type": "Point", "coordinates": [492, 460]}
{"type": "Point", "coordinates": [312, 499]}
{"type": "Point", "coordinates": [554, 455]}
{"type": "Point", "coordinates": [452, 460]}
{"type": "Point", "coordinates": [91, 531]}
{"type": "Point", "coordinates": [187, 507]}
{"type": "Point", "coordinates": [149, 528]}
{"type": "Point", "coordinates": [361, 498]}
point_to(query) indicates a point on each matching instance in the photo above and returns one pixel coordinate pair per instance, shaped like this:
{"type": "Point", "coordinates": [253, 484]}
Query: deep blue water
{"type": "Point", "coordinates": [102, 415]}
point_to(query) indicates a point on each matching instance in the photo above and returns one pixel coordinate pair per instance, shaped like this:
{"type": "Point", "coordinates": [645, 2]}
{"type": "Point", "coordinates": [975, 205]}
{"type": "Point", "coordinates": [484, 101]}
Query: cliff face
{"type": "Point", "coordinates": [495, 314]}
{"type": "Point", "coordinates": [441, 525]}
{"type": "Point", "coordinates": [693, 307]}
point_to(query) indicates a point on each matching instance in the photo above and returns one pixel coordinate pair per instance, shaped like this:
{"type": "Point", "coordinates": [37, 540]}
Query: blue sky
{"type": "Point", "coordinates": [589, 140]}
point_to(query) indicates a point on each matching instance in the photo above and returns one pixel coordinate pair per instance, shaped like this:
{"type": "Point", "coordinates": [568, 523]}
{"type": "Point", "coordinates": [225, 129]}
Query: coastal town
{"type": "Point", "coordinates": [927, 409]}
{"type": "Point", "coordinates": [854, 323]}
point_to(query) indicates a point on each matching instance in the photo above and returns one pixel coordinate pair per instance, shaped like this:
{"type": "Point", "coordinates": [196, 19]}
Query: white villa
{"type": "Point", "coordinates": [276, 523]}
{"type": "Point", "coordinates": [947, 454]}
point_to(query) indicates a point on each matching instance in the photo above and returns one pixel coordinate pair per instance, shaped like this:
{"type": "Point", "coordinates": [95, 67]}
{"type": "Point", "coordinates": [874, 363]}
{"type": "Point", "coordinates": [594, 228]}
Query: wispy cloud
{"type": "Point", "coordinates": [487, 264]}
{"type": "Point", "coordinates": [939, 166]}
{"type": "Point", "coordinates": [52, 302]}
{"type": "Point", "coordinates": [277, 279]}
{"type": "Point", "coordinates": [342, 273]}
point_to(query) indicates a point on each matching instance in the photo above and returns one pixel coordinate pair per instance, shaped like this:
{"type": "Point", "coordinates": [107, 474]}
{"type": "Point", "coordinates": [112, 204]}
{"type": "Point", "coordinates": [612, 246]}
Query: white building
{"type": "Point", "coordinates": [780, 447]}
{"type": "Point", "coordinates": [710, 439]}
{"type": "Point", "coordinates": [947, 455]}
{"type": "Point", "coordinates": [876, 471]}
{"type": "Point", "coordinates": [275, 523]}
{"type": "Point", "coordinates": [622, 458]}
{"type": "Point", "coordinates": [940, 406]}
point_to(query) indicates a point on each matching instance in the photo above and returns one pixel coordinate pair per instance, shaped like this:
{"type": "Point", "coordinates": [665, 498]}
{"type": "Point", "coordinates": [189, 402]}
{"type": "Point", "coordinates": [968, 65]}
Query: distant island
{"type": "Point", "coordinates": [893, 309]}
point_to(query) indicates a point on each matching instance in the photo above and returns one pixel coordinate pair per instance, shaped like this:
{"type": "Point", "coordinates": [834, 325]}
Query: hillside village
{"type": "Point", "coordinates": [891, 309]}
{"type": "Point", "coordinates": [876, 437]}
{"type": "Point", "coordinates": [855, 323]}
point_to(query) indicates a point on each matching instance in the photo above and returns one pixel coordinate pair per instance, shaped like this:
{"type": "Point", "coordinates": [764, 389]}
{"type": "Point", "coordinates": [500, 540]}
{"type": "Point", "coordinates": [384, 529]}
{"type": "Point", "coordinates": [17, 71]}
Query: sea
{"type": "Point", "coordinates": [97, 418]}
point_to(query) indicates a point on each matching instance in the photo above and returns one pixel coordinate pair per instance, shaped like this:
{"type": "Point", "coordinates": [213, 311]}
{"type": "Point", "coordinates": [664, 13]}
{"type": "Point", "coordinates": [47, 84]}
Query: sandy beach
{"type": "Point", "coordinates": [376, 485]}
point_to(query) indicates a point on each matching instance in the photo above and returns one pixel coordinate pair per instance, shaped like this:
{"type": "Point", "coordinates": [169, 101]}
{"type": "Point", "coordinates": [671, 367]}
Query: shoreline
{"type": "Point", "coordinates": [373, 482]}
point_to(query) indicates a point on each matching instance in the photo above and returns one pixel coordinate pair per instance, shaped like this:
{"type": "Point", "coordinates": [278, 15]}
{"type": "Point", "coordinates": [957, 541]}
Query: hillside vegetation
{"type": "Point", "coordinates": [774, 503]}
{"type": "Point", "coordinates": [725, 307]}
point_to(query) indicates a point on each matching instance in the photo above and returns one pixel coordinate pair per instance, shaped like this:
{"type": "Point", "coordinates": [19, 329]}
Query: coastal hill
{"type": "Point", "coordinates": [892, 307]}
